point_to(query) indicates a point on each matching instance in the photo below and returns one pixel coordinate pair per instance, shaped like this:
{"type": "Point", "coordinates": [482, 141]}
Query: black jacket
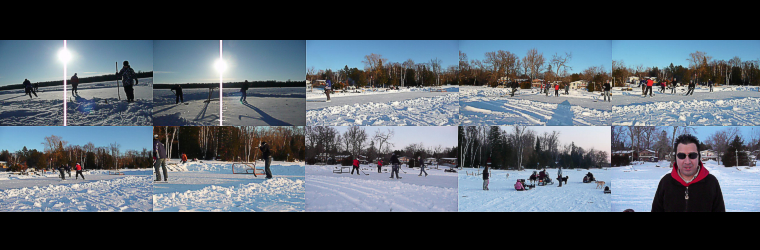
{"type": "Point", "coordinates": [394, 159]}
{"type": "Point", "coordinates": [606, 87]}
{"type": "Point", "coordinates": [704, 196]}
{"type": "Point", "coordinates": [265, 151]}
{"type": "Point", "coordinates": [485, 174]}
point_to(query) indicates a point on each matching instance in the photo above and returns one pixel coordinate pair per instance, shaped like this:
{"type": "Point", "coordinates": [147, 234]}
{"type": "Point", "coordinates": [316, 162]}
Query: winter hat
{"type": "Point", "coordinates": [126, 63]}
{"type": "Point", "coordinates": [155, 136]}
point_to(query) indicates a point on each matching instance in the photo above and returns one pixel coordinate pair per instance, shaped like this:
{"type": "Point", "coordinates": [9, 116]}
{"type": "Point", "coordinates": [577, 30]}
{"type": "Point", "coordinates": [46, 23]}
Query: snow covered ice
{"type": "Point", "coordinates": [211, 186]}
{"type": "Point", "coordinates": [45, 109]}
{"type": "Point", "coordinates": [726, 106]}
{"type": "Point", "coordinates": [98, 104]}
{"type": "Point", "coordinates": [328, 191]}
{"type": "Point", "coordinates": [575, 196]}
{"type": "Point", "coordinates": [634, 186]}
{"type": "Point", "coordinates": [406, 107]}
{"type": "Point", "coordinates": [480, 106]}
{"type": "Point", "coordinates": [263, 107]}
{"type": "Point", "coordinates": [99, 192]}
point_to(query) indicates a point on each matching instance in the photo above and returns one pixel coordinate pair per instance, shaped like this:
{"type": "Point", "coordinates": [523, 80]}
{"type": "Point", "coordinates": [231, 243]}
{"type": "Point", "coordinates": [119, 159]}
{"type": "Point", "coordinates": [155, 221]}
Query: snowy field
{"type": "Point", "coordinates": [575, 196]}
{"type": "Point", "coordinates": [16, 109]}
{"type": "Point", "coordinates": [393, 108]}
{"type": "Point", "coordinates": [211, 186]}
{"type": "Point", "coordinates": [634, 186]}
{"type": "Point", "coordinates": [725, 106]}
{"type": "Point", "coordinates": [263, 107]}
{"type": "Point", "coordinates": [480, 106]}
{"type": "Point", "coordinates": [331, 192]}
{"type": "Point", "coordinates": [98, 104]}
{"type": "Point", "coordinates": [99, 192]}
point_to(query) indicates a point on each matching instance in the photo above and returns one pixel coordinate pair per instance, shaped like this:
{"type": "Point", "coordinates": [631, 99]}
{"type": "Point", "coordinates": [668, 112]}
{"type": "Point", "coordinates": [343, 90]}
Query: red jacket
{"type": "Point", "coordinates": [700, 176]}
{"type": "Point", "coordinates": [356, 163]}
{"type": "Point", "coordinates": [649, 83]}
{"type": "Point", "coordinates": [79, 168]}
{"type": "Point", "coordinates": [380, 163]}
{"type": "Point", "coordinates": [556, 87]}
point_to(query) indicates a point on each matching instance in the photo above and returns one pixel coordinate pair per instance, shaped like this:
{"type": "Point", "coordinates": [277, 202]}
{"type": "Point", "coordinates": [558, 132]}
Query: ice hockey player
{"type": "Point", "coordinates": [74, 84]}
{"type": "Point", "coordinates": [159, 158]}
{"type": "Point", "coordinates": [127, 74]}
{"type": "Point", "coordinates": [710, 84]}
{"type": "Point", "coordinates": [28, 89]}
{"type": "Point", "coordinates": [485, 178]}
{"type": "Point", "coordinates": [379, 165]}
{"type": "Point", "coordinates": [355, 166]}
{"type": "Point", "coordinates": [395, 165]}
{"type": "Point", "coordinates": [328, 87]}
{"type": "Point", "coordinates": [606, 87]}
{"type": "Point", "coordinates": [692, 85]}
{"type": "Point", "coordinates": [79, 171]}
{"type": "Point", "coordinates": [422, 166]}
{"type": "Point", "coordinates": [179, 96]}
{"type": "Point", "coordinates": [267, 159]}
{"type": "Point", "coordinates": [244, 91]}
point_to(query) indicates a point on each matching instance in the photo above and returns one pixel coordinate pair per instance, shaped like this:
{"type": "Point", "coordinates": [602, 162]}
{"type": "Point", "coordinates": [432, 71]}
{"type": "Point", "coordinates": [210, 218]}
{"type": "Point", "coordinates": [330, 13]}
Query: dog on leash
{"type": "Point", "coordinates": [599, 184]}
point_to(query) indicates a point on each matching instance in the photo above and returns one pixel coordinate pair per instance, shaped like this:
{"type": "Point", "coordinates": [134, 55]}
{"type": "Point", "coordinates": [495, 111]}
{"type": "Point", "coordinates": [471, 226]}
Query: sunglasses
{"type": "Point", "coordinates": [691, 156]}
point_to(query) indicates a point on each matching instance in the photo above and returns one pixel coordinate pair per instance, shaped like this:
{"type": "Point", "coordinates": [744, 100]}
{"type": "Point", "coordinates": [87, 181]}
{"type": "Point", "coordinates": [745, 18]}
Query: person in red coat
{"type": "Point", "coordinates": [355, 167]}
{"type": "Point", "coordinates": [79, 171]}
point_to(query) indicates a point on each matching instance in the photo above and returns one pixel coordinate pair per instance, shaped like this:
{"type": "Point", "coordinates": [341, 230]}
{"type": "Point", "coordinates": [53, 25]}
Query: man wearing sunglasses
{"type": "Point", "coordinates": [689, 187]}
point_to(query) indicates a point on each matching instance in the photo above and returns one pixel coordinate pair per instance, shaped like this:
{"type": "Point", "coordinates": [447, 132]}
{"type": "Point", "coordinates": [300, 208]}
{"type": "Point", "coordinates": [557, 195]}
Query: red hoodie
{"type": "Point", "coordinates": [556, 87]}
{"type": "Point", "coordinates": [356, 163]}
{"type": "Point", "coordinates": [701, 175]}
{"type": "Point", "coordinates": [649, 83]}
{"type": "Point", "coordinates": [79, 168]}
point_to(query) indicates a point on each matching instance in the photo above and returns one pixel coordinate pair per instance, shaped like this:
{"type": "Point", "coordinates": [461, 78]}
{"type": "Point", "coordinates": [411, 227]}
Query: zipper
{"type": "Point", "coordinates": [687, 200]}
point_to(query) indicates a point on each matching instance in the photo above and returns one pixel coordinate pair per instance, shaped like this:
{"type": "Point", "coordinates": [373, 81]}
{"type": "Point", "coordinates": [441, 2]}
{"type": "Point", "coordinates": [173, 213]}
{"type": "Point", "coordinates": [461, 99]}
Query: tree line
{"type": "Point", "coordinates": [379, 71]}
{"type": "Point", "coordinates": [101, 78]}
{"type": "Point", "coordinates": [661, 140]}
{"type": "Point", "coordinates": [232, 143]}
{"type": "Point", "coordinates": [521, 148]}
{"type": "Point", "coordinates": [327, 142]}
{"type": "Point", "coordinates": [59, 152]}
{"type": "Point", "coordinates": [501, 64]}
{"type": "Point", "coordinates": [701, 68]}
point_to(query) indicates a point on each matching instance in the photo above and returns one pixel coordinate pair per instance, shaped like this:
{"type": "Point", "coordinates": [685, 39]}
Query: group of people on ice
{"type": "Point", "coordinates": [647, 84]}
{"type": "Point", "coordinates": [180, 98]}
{"type": "Point", "coordinates": [395, 166]}
{"type": "Point", "coordinates": [66, 169]}
{"type": "Point", "coordinates": [555, 86]}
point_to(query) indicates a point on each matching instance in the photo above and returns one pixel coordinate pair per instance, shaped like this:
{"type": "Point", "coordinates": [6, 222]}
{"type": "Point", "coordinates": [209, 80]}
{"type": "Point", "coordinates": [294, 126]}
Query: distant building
{"type": "Point", "coordinates": [709, 155]}
{"type": "Point", "coordinates": [3, 166]}
{"type": "Point", "coordinates": [580, 84]}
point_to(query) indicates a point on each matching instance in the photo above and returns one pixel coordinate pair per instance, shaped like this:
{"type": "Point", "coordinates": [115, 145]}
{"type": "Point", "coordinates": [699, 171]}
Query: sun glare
{"type": "Point", "coordinates": [64, 55]}
{"type": "Point", "coordinates": [220, 65]}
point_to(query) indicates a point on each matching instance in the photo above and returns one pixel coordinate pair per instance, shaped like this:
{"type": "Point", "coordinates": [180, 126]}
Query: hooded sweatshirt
{"type": "Point", "coordinates": [702, 194]}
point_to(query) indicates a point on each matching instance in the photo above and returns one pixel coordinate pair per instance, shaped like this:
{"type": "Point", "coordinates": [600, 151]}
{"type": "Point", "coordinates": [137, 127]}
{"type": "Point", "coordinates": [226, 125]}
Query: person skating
{"type": "Point", "coordinates": [546, 89]}
{"type": "Point", "coordinates": [689, 187]}
{"type": "Point", "coordinates": [79, 171]}
{"type": "Point", "coordinates": [177, 89]}
{"type": "Point", "coordinates": [643, 85]}
{"type": "Point", "coordinates": [328, 87]}
{"type": "Point", "coordinates": [264, 147]}
{"type": "Point", "coordinates": [691, 88]}
{"type": "Point", "coordinates": [485, 178]}
{"type": "Point", "coordinates": [68, 170]}
{"type": "Point", "coordinates": [422, 167]}
{"type": "Point", "coordinates": [159, 158]}
{"type": "Point", "coordinates": [606, 88]}
{"type": "Point", "coordinates": [244, 91]}
{"type": "Point", "coordinates": [355, 166]}
{"type": "Point", "coordinates": [379, 165]}
{"type": "Point", "coordinates": [28, 89]}
{"type": "Point", "coordinates": [74, 84]}
{"type": "Point", "coordinates": [650, 83]}
{"type": "Point", "coordinates": [662, 86]}
{"type": "Point", "coordinates": [127, 74]}
{"type": "Point", "coordinates": [556, 90]}
{"type": "Point", "coordinates": [710, 84]}
{"type": "Point", "coordinates": [567, 89]}
{"type": "Point", "coordinates": [60, 171]}
{"type": "Point", "coordinates": [673, 83]}
{"type": "Point", "coordinates": [395, 165]}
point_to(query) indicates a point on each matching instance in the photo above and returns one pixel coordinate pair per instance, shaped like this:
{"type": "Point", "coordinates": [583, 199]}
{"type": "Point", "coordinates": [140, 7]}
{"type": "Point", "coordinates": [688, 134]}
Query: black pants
{"type": "Point", "coordinates": [63, 176]}
{"type": "Point", "coordinates": [710, 88]}
{"type": "Point", "coordinates": [268, 171]}
{"type": "Point", "coordinates": [130, 92]}
{"type": "Point", "coordinates": [30, 91]}
{"type": "Point", "coordinates": [355, 168]}
{"type": "Point", "coordinates": [79, 173]}
{"type": "Point", "coordinates": [379, 169]}
{"type": "Point", "coordinates": [649, 90]}
{"type": "Point", "coordinates": [556, 92]}
{"type": "Point", "coordinates": [394, 170]}
{"type": "Point", "coordinates": [673, 90]}
{"type": "Point", "coordinates": [74, 88]}
{"type": "Point", "coordinates": [180, 98]}
{"type": "Point", "coordinates": [691, 91]}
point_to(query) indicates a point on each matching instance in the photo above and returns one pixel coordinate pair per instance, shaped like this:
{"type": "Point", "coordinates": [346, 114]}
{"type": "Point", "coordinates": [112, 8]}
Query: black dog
{"type": "Point", "coordinates": [564, 179]}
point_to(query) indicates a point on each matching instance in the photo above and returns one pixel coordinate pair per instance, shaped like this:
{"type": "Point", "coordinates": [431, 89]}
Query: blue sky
{"type": "Point", "coordinates": [193, 61]}
{"type": "Point", "coordinates": [137, 138]}
{"type": "Point", "coordinates": [585, 53]}
{"type": "Point", "coordinates": [38, 60]}
{"type": "Point", "coordinates": [662, 53]}
{"type": "Point", "coordinates": [704, 132]}
{"type": "Point", "coordinates": [335, 55]}
{"type": "Point", "coordinates": [428, 136]}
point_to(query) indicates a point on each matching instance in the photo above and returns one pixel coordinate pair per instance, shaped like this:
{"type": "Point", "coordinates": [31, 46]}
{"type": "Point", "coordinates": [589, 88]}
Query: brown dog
{"type": "Point", "coordinates": [599, 184]}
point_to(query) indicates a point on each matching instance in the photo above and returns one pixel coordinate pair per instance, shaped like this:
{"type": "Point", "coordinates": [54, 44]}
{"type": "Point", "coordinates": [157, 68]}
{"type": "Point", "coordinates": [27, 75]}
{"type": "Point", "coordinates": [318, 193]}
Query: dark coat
{"type": "Point", "coordinates": [159, 151]}
{"type": "Point", "coordinates": [265, 151]}
{"type": "Point", "coordinates": [704, 193]}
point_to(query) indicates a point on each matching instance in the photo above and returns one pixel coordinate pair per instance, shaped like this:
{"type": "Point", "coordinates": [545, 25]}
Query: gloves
{"type": "Point", "coordinates": [154, 158]}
